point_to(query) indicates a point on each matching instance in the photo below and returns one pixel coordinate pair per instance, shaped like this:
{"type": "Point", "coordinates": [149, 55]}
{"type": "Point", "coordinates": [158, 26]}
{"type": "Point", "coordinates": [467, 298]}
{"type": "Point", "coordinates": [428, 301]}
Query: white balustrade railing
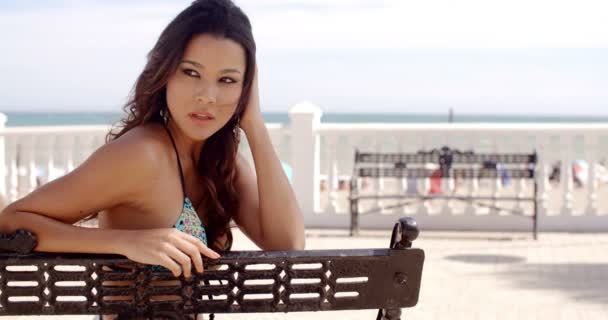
{"type": "Point", "coordinates": [320, 156]}
{"type": "Point", "coordinates": [35, 155]}
{"type": "Point", "coordinates": [571, 203]}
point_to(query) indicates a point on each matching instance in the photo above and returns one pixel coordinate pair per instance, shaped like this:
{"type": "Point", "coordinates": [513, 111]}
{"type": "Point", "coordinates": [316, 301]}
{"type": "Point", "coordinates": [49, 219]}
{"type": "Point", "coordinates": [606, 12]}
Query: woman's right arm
{"type": "Point", "coordinates": [112, 176]}
{"type": "Point", "coordinates": [106, 179]}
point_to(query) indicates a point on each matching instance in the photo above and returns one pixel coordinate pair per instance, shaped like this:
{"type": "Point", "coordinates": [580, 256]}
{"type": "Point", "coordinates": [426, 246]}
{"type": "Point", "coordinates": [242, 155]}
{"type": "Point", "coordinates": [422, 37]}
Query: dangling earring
{"type": "Point", "coordinates": [236, 130]}
{"type": "Point", "coordinates": [164, 114]}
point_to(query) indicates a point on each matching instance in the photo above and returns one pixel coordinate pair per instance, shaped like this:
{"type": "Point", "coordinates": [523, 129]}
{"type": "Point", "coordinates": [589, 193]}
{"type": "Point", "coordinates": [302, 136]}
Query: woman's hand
{"type": "Point", "coordinates": [252, 115]}
{"type": "Point", "coordinates": [168, 247]}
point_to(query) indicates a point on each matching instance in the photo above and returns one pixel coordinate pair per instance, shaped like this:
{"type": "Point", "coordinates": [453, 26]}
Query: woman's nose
{"type": "Point", "coordinates": [205, 96]}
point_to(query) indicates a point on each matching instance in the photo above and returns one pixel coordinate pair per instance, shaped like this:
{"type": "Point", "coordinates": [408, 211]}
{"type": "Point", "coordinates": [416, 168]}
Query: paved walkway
{"type": "Point", "coordinates": [484, 276]}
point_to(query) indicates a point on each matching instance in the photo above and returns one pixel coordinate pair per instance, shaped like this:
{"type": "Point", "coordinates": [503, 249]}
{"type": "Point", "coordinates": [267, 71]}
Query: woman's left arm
{"type": "Point", "coordinates": [269, 213]}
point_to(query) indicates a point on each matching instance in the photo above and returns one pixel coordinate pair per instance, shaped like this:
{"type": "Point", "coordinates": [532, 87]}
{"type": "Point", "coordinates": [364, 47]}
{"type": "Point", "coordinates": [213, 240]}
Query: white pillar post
{"type": "Point", "coordinates": [3, 168]}
{"type": "Point", "coordinates": [305, 119]}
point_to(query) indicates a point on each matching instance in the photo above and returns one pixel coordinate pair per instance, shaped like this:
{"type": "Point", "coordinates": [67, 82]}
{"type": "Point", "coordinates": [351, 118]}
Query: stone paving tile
{"type": "Point", "coordinates": [476, 275]}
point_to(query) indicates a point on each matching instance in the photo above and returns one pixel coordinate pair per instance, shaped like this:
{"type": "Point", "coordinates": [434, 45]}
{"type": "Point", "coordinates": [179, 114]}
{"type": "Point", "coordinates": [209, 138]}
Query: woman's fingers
{"type": "Point", "coordinates": [177, 250]}
{"type": "Point", "coordinates": [183, 251]}
{"type": "Point", "coordinates": [171, 265]}
{"type": "Point", "coordinates": [207, 251]}
{"type": "Point", "coordinates": [181, 258]}
{"type": "Point", "coordinates": [202, 248]}
{"type": "Point", "coordinates": [191, 250]}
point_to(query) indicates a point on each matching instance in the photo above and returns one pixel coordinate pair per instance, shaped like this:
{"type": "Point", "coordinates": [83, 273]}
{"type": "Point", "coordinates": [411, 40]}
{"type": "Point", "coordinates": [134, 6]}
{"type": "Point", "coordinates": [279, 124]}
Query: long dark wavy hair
{"type": "Point", "coordinates": [148, 104]}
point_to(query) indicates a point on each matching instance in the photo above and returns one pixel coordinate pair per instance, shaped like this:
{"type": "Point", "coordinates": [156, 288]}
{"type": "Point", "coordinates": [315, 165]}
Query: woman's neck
{"type": "Point", "coordinates": [188, 148]}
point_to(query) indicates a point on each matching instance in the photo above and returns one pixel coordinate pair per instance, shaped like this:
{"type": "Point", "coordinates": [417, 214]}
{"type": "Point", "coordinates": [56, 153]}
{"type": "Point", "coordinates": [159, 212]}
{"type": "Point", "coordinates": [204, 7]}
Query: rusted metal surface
{"type": "Point", "coordinates": [246, 281]}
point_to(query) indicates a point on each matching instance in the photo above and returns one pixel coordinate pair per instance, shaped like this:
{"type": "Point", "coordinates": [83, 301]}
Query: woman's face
{"type": "Point", "coordinates": [202, 94]}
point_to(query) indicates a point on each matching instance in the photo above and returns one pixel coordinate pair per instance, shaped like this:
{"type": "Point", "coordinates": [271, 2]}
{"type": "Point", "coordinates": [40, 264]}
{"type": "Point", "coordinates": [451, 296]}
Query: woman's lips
{"type": "Point", "coordinates": [201, 117]}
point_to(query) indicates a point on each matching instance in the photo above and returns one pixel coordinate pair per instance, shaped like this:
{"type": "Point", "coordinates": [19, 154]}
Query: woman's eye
{"type": "Point", "coordinates": [190, 72]}
{"type": "Point", "coordinates": [228, 80]}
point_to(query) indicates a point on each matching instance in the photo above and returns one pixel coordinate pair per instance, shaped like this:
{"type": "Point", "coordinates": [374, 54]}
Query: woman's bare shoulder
{"type": "Point", "coordinates": [144, 143]}
{"type": "Point", "coordinates": [113, 175]}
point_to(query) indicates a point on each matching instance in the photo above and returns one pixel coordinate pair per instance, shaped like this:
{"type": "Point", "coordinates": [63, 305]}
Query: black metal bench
{"type": "Point", "coordinates": [451, 164]}
{"type": "Point", "coordinates": [33, 283]}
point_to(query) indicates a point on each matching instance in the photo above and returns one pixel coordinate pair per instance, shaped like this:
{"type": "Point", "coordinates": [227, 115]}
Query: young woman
{"type": "Point", "coordinates": [167, 184]}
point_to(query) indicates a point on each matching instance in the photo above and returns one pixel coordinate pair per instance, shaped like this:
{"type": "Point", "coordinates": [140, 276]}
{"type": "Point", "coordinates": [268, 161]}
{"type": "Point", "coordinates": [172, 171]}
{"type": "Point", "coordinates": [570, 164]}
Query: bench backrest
{"type": "Point", "coordinates": [247, 281]}
{"type": "Point", "coordinates": [451, 163]}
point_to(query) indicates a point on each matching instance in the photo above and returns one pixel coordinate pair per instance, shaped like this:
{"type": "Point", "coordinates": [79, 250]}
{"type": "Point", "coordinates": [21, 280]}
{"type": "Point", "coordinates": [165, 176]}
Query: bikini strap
{"type": "Point", "coordinates": [179, 163]}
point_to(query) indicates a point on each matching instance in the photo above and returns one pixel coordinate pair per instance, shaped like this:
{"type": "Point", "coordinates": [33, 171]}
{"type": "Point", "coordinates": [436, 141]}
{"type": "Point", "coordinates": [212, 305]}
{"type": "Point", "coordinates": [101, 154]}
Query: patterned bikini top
{"type": "Point", "coordinates": [188, 220]}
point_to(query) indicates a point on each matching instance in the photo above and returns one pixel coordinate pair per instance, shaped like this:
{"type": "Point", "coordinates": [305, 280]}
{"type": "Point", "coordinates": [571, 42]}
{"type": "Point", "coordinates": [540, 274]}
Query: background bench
{"type": "Point", "coordinates": [450, 163]}
{"type": "Point", "coordinates": [246, 281]}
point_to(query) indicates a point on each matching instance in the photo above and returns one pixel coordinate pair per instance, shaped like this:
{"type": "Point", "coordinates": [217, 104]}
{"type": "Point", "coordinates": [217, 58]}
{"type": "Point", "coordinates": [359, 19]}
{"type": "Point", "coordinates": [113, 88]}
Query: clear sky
{"type": "Point", "coordinates": [476, 56]}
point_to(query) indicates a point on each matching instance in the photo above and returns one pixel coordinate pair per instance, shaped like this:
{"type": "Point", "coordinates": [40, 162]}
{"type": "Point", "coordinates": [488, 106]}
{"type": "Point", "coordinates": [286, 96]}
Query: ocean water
{"type": "Point", "coordinates": [20, 119]}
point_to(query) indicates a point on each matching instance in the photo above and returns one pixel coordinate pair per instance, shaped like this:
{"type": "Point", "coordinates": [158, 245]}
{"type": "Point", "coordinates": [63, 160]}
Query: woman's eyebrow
{"type": "Point", "coordinates": [196, 64]}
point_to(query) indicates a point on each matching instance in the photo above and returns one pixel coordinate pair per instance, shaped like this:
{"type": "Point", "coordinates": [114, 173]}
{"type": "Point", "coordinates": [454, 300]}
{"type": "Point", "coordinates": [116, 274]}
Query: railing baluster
{"type": "Point", "coordinates": [331, 184]}
{"type": "Point", "coordinates": [13, 170]}
{"type": "Point", "coordinates": [567, 185]}
{"type": "Point", "coordinates": [447, 183]}
{"type": "Point", "coordinates": [472, 184]}
{"type": "Point", "coordinates": [84, 147]}
{"type": "Point", "coordinates": [389, 184]}
{"type": "Point", "coordinates": [423, 184]}
{"type": "Point", "coordinates": [591, 145]}
{"type": "Point", "coordinates": [27, 166]}
{"type": "Point", "coordinates": [378, 184]}
{"type": "Point", "coordinates": [67, 145]}
{"type": "Point", "coordinates": [48, 151]}
{"type": "Point", "coordinates": [495, 183]}
{"type": "Point", "coordinates": [542, 170]}
{"type": "Point", "coordinates": [406, 185]}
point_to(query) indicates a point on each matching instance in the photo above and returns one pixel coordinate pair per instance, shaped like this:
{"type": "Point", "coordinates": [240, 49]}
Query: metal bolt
{"type": "Point", "coordinates": [400, 278]}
